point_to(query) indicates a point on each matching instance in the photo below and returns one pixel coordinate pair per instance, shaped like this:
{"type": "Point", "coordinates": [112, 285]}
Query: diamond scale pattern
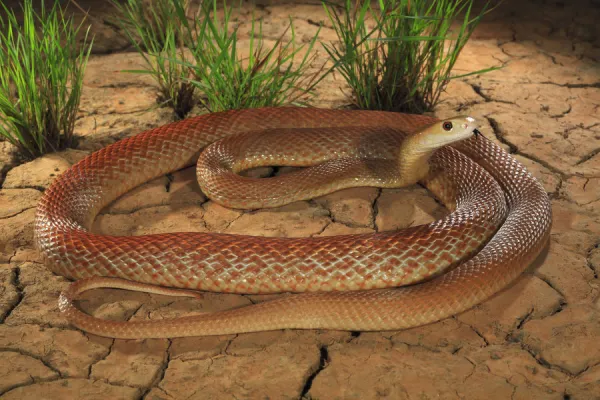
{"type": "Point", "coordinates": [494, 201]}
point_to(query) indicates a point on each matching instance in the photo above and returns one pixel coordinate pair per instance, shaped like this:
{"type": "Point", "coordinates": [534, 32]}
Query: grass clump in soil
{"type": "Point", "coordinates": [42, 68]}
{"type": "Point", "coordinates": [399, 55]}
{"type": "Point", "coordinates": [155, 30]}
{"type": "Point", "coordinates": [199, 58]}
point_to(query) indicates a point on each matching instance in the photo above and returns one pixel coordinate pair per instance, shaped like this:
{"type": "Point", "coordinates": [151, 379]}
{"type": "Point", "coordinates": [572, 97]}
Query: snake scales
{"type": "Point", "coordinates": [500, 219]}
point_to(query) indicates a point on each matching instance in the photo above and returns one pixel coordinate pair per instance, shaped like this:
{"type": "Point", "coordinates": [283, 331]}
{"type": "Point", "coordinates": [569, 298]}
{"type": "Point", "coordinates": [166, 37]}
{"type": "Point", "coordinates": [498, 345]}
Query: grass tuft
{"type": "Point", "coordinates": [265, 77]}
{"type": "Point", "coordinates": [216, 73]}
{"type": "Point", "coordinates": [399, 56]}
{"type": "Point", "coordinates": [155, 30]}
{"type": "Point", "coordinates": [41, 80]}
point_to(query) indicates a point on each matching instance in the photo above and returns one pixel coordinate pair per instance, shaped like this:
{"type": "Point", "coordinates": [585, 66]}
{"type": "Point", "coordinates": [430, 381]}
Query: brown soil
{"type": "Point", "coordinates": [538, 339]}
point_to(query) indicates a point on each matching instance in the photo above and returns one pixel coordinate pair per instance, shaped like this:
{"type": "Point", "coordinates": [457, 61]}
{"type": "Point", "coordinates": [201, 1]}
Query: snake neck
{"type": "Point", "coordinates": [413, 161]}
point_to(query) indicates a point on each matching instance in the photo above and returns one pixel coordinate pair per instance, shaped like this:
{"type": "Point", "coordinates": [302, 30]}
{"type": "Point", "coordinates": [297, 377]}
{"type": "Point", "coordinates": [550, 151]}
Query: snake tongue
{"type": "Point", "coordinates": [477, 133]}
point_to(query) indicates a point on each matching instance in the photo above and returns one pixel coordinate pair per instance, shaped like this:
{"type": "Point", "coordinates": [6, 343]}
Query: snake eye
{"type": "Point", "coordinates": [447, 126]}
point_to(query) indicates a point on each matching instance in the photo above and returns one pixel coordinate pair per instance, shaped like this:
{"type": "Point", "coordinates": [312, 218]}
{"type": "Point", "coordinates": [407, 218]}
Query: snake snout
{"type": "Point", "coordinates": [470, 122]}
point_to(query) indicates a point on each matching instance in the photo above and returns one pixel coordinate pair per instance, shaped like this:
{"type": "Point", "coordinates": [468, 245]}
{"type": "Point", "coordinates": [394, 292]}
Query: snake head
{"type": "Point", "coordinates": [446, 132]}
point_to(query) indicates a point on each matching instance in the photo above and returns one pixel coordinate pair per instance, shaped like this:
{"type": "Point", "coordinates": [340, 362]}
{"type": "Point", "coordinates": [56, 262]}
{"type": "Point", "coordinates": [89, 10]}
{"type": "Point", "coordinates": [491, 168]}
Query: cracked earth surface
{"type": "Point", "coordinates": [538, 339]}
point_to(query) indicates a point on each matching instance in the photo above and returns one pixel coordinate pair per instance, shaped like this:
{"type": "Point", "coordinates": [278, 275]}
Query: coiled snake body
{"type": "Point", "coordinates": [500, 218]}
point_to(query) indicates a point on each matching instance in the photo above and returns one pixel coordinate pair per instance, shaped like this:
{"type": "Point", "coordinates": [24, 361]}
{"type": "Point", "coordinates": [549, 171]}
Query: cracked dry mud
{"type": "Point", "coordinates": [538, 339]}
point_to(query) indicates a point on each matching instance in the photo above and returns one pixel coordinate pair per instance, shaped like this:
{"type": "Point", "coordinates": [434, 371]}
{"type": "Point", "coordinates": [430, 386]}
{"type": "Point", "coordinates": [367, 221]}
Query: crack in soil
{"type": "Point", "coordinates": [587, 369]}
{"type": "Point", "coordinates": [513, 149]}
{"type": "Point", "coordinates": [547, 282]}
{"type": "Point", "coordinates": [320, 24]}
{"type": "Point", "coordinates": [464, 106]}
{"type": "Point", "coordinates": [498, 135]}
{"type": "Point", "coordinates": [332, 219]}
{"type": "Point", "coordinates": [160, 375]}
{"type": "Point", "coordinates": [323, 363]}
{"type": "Point", "coordinates": [15, 281]}
{"type": "Point", "coordinates": [539, 359]}
{"type": "Point", "coordinates": [3, 171]}
{"type": "Point", "coordinates": [555, 195]}
{"type": "Point", "coordinates": [488, 99]}
{"type": "Point", "coordinates": [573, 85]}
{"type": "Point", "coordinates": [585, 184]}
{"type": "Point", "coordinates": [110, 348]}
{"type": "Point", "coordinates": [64, 379]}
{"type": "Point", "coordinates": [170, 178]}
{"type": "Point", "coordinates": [375, 208]}
{"type": "Point", "coordinates": [226, 348]}
{"type": "Point", "coordinates": [588, 156]}
{"type": "Point", "coordinates": [126, 85]}
{"type": "Point", "coordinates": [525, 318]}
{"type": "Point", "coordinates": [514, 391]}
{"type": "Point", "coordinates": [17, 213]}
{"type": "Point", "coordinates": [32, 381]}
{"type": "Point", "coordinates": [35, 187]}
{"type": "Point", "coordinates": [562, 303]}
{"type": "Point", "coordinates": [566, 132]}
{"type": "Point", "coordinates": [35, 357]}
{"type": "Point", "coordinates": [472, 371]}
{"type": "Point", "coordinates": [566, 396]}
{"type": "Point", "coordinates": [562, 114]}
{"type": "Point", "coordinates": [135, 209]}
{"type": "Point", "coordinates": [89, 114]}
{"type": "Point", "coordinates": [551, 57]}
{"type": "Point", "coordinates": [485, 341]}
{"type": "Point", "coordinates": [588, 261]}
{"type": "Point", "coordinates": [14, 253]}
{"type": "Point", "coordinates": [228, 223]}
{"type": "Point", "coordinates": [323, 229]}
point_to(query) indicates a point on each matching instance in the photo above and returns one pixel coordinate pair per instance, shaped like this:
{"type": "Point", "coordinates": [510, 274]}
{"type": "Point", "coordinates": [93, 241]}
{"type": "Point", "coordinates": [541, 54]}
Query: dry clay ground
{"type": "Point", "coordinates": [539, 339]}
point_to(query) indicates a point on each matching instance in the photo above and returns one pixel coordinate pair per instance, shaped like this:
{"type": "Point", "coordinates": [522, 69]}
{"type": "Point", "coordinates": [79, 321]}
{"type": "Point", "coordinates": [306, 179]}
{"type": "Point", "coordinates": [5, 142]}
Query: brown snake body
{"type": "Point", "coordinates": [335, 270]}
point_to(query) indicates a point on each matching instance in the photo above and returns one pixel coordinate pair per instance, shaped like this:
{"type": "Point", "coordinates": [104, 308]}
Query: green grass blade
{"type": "Point", "coordinates": [41, 83]}
{"type": "Point", "coordinates": [405, 62]}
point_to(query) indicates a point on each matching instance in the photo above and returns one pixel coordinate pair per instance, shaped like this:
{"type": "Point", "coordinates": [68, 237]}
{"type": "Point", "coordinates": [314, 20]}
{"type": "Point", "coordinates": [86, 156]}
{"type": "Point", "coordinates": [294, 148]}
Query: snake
{"type": "Point", "coordinates": [499, 221]}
